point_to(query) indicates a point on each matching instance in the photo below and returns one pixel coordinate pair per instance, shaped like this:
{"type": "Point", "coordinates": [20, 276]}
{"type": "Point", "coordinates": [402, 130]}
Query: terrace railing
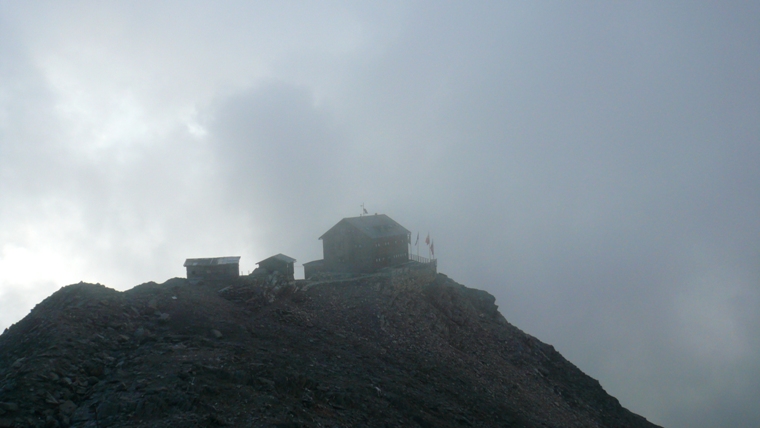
{"type": "Point", "coordinates": [420, 259]}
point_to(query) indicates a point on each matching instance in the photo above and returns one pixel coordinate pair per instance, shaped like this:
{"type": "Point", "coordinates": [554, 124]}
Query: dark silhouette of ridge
{"type": "Point", "coordinates": [400, 348]}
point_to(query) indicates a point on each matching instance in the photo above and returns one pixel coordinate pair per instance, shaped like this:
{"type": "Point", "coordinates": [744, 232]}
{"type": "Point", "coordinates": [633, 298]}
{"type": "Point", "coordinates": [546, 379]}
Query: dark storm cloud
{"type": "Point", "coordinates": [592, 166]}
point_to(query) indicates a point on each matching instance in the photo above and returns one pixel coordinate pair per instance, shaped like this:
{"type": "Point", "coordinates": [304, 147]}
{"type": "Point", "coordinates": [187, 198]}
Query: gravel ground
{"type": "Point", "coordinates": [402, 348]}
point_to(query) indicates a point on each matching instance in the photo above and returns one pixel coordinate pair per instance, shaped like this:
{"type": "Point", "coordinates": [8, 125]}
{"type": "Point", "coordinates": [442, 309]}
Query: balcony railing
{"type": "Point", "coordinates": [420, 259]}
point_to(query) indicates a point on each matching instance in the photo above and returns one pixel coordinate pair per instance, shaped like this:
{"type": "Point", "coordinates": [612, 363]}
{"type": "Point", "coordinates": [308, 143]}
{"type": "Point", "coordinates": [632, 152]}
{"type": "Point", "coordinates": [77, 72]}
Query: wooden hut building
{"type": "Point", "coordinates": [216, 268]}
{"type": "Point", "coordinates": [278, 263]}
{"type": "Point", "coordinates": [312, 268]}
{"type": "Point", "coordinates": [365, 244]}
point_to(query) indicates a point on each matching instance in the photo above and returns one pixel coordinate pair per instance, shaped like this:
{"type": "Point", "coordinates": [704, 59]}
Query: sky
{"type": "Point", "coordinates": [593, 165]}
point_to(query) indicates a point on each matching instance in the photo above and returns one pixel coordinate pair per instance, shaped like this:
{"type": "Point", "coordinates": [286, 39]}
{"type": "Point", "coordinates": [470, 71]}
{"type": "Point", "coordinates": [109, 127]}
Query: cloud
{"type": "Point", "coordinates": [282, 160]}
{"type": "Point", "coordinates": [593, 167]}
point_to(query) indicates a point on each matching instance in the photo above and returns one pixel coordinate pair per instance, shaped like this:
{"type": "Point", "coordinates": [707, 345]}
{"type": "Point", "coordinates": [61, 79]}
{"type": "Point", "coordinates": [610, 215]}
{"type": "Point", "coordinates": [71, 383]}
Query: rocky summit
{"type": "Point", "coordinates": [400, 348]}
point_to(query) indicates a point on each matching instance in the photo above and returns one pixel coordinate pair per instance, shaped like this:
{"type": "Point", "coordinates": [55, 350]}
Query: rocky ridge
{"type": "Point", "coordinates": [399, 348]}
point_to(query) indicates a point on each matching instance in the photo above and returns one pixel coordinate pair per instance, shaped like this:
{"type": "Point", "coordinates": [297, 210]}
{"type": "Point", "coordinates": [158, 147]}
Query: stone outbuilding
{"type": "Point", "coordinates": [215, 268]}
{"type": "Point", "coordinates": [278, 263]}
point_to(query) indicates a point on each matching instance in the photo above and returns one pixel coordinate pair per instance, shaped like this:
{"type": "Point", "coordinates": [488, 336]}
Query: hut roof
{"type": "Point", "coordinates": [214, 261]}
{"type": "Point", "coordinates": [374, 226]}
{"type": "Point", "coordinates": [280, 257]}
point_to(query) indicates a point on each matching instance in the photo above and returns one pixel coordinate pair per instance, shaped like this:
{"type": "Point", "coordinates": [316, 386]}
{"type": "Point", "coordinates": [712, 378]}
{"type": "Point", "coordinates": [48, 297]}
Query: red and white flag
{"type": "Point", "coordinates": [427, 240]}
{"type": "Point", "coordinates": [432, 248]}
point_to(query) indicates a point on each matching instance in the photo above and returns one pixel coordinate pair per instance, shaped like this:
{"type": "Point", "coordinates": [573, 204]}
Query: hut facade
{"type": "Point", "coordinates": [364, 244]}
{"type": "Point", "coordinates": [215, 268]}
{"type": "Point", "coordinates": [312, 268]}
{"type": "Point", "coordinates": [278, 263]}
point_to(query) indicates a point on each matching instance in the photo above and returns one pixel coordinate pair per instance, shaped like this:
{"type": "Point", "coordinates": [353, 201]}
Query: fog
{"type": "Point", "coordinates": [591, 165]}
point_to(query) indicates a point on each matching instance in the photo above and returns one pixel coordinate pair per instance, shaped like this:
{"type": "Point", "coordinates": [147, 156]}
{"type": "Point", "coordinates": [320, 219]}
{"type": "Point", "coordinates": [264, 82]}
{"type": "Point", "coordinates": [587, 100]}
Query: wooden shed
{"type": "Point", "coordinates": [312, 268]}
{"type": "Point", "coordinates": [278, 263]}
{"type": "Point", "coordinates": [215, 268]}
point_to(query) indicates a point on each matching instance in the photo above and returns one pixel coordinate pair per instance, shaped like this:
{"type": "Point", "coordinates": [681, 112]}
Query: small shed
{"type": "Point", "coordinates": [215, 268]}
{"type": "Point", "coordinates": [278, 263]}
{"type": "Point", "coordinates": [312, 268]}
